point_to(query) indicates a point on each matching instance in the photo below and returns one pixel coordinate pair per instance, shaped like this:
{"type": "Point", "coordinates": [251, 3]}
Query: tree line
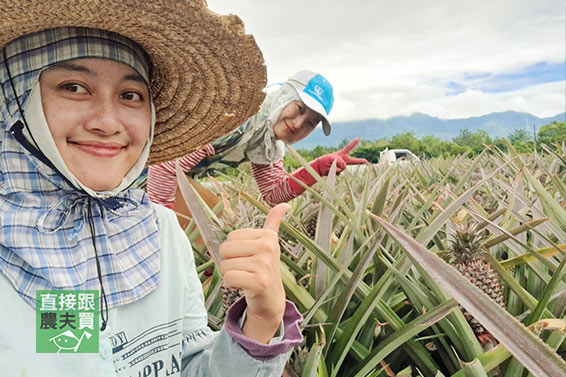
{"type": "Point", "coordinates": [552, 134]}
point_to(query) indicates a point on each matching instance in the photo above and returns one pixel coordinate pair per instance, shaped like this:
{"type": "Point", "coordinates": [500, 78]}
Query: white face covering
{"type": "Point", "coordinates": [39, 129]}
{"type": "Point", "coordinates": [259, 143]}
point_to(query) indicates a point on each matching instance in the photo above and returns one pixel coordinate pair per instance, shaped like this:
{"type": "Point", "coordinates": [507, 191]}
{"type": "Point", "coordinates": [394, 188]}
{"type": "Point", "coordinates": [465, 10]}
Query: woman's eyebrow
{"type": "Point", "coordinates": [80, 68]}
{"type": "Point", "coordinates": [134, 77]}
{"type": "Point", "coordinates": [68, 66]}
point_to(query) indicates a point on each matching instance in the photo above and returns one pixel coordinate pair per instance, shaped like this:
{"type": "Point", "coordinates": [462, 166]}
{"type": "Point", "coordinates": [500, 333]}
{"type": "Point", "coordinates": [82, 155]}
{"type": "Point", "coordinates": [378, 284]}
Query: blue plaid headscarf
{"type": "Point", "coordinates": [45, 238]}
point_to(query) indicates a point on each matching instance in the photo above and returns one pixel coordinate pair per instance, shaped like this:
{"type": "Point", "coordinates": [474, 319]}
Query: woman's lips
{"type": "Point", "coordinates": [289, 128]}
{"type": "Point", "coordinates": [99, 149]}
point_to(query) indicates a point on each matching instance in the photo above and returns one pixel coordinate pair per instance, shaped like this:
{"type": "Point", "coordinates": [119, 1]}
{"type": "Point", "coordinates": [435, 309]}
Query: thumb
{"type": "Point", "coordinates": [275, 216]}
{"type": "Point", "coordinates": [355, 160]}
{"type": "Point", "coordinates": [340, 165]}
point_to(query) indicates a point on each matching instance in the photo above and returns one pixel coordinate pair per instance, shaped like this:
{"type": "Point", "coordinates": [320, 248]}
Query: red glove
{"type": "Point", "coordinates": [322, 166]}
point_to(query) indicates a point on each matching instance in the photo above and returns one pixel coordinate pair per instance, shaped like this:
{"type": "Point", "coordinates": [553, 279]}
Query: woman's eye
{"type": "Point", "coordinates": [301, 108]}
{"type": "Point", "coordinates": [132, 96]}
{"type": "Point", "coordinates": [74, 88]}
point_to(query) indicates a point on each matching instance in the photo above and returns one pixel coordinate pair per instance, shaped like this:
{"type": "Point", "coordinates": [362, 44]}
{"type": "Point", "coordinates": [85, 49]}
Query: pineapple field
{"type": "Point", "coordinates": [446, 267]}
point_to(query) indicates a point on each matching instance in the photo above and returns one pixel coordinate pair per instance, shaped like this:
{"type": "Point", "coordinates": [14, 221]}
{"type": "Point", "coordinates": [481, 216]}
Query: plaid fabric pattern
{"type": "Point", "coordinates": [222, 147]}
{"type": "Point", "coordinates": [45, 238]}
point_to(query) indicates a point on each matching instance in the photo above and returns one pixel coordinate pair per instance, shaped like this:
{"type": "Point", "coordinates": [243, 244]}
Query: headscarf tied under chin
{"type": "Point", "coordinates": [259, 143]}
{"type": "Point", "coordinates": [44, 243]}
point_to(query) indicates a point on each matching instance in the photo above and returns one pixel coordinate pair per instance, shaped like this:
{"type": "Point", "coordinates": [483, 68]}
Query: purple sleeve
{"type": "Point", "coordinates": [292, 337]}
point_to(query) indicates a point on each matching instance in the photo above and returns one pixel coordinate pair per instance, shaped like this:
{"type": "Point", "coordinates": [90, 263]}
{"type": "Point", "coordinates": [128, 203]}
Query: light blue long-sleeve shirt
{"type": "Point", "coordinates": [163, 334]}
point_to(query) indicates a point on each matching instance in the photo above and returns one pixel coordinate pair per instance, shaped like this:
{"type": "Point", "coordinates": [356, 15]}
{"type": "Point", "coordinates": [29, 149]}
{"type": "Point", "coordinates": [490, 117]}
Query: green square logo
{"type": "Point", "coordinates": [67, 322]}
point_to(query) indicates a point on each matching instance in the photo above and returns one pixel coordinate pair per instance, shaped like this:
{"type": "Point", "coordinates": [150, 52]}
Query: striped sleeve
{"type": "Point", "coordinates": [162, 178]}
{"type": "Point", "coordinates": [273, 183]}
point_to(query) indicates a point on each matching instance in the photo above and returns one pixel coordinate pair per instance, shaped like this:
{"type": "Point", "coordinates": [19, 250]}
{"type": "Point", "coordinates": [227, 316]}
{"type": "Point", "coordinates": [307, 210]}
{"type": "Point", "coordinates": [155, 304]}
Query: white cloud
{"type": "Point", "coordinates": [543, 100]}
{"type": "Point", "coordinates": [388, 58]}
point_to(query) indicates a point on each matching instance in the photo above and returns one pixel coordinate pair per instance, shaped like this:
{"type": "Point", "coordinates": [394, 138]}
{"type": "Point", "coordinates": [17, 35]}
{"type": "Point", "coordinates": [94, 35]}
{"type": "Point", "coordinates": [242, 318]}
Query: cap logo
{"type": "Point", "coordinates": [318, 91]}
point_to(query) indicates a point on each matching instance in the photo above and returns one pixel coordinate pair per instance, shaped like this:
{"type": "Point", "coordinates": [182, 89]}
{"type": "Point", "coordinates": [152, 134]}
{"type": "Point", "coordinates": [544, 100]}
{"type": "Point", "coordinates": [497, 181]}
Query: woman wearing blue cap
{"type": "Point", "coordinates": [287, 115]}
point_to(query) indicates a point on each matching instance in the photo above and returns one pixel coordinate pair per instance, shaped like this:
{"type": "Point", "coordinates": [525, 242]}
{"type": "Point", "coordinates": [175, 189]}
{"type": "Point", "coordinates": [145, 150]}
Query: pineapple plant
{"type": "Point", "coordinates": [465, 256]}
{"type": "Point", "coordinates": [403, 200]}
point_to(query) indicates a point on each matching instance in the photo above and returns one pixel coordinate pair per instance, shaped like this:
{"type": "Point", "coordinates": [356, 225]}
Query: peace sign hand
{"type": "Point", "coordinates": [342, 158]}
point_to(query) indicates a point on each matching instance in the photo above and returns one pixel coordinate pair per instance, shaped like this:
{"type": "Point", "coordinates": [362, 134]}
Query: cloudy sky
{"type": "Point", "coordinates": [450, 59]}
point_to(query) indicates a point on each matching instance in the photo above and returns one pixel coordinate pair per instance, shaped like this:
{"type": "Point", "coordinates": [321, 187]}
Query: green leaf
{"type": "Point", "coordinates": [380, 198]}
{"type": "Point", "coordinates": [548, 292]}
{"type": "Point", "coordinates": [314, 359]}
{"type": "Point", "coordinates": [342, 346]}
{"type": "Point", "coordinates": [340, 307]}
{"type": "Point", "coordinates": [490, 359]}
{"type": "Point", "coordinates": [401, 336]}
{"type": "Point", "coordinates": [473, 369]}
{"type": "Point", "coordinates": [556, 212]}
{"type": "Point", "coordinates": [322, 238]}
{"type": "Point", "coordinates": [520, 229]}
{"type": "Point", "coordinates": [526, 258]}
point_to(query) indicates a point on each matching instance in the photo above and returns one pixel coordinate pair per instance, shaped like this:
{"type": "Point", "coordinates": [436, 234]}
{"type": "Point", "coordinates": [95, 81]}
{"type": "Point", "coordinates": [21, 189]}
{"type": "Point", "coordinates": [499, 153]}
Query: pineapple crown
{"type": "Point", "coordinates": [467, 243]}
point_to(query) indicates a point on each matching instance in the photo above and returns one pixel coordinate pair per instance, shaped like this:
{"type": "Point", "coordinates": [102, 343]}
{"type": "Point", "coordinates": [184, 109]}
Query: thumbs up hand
{"type": "Point", "coordinates": [251, 263]}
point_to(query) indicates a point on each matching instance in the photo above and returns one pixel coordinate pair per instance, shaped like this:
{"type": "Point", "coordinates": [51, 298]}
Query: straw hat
{"type": "Point", "coordinates": [207, 75]}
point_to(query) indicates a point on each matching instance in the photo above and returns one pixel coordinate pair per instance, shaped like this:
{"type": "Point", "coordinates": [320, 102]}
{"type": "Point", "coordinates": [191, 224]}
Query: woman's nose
{"type": "Point", "coordinates": [298, 122]}
{"type": "Point", "coordinates": [105, 118]}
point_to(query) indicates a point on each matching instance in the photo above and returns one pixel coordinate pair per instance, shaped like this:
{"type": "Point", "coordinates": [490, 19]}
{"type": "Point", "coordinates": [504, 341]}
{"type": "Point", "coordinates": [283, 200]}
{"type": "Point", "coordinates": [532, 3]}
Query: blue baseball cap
{"type": "Point", "coordinates": [316, 93]}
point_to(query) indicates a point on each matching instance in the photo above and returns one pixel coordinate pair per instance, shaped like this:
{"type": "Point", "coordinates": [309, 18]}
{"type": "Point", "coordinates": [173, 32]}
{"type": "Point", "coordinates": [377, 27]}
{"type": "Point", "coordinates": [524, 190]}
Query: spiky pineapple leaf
{"type": "Point", "coordinates": [520, 229]}
{"type": "Point", "coordinates": [201, 215]}
{"type": "Point", "coordinates": [322, 237]}
{"type": "Point", "coordinates": [552, 207]}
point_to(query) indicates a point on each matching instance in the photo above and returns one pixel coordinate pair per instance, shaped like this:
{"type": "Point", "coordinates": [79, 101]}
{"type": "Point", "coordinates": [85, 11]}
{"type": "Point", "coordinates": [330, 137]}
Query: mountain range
{"type": "Point", "coordinates": [496, 124]}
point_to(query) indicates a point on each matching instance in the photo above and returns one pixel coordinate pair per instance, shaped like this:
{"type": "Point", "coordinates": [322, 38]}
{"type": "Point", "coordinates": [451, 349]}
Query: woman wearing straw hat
{"type": "Point", "coordinates": [287, 115]}
{"type": "Point", "coordinates": [91, 92]}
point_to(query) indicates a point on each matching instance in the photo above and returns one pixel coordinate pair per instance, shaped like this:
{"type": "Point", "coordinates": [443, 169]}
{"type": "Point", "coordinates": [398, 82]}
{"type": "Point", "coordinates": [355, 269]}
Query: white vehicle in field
{"type": "Point", "coordinates": [399, 156]}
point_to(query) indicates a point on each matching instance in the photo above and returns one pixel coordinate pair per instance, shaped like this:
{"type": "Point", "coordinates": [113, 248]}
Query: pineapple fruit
{"type": "Point", "coordinates": [311, 218]}
{"type": "Point", "coordinates": [465, 256]}
{"type": "Point", "coordinates": [230, 296]}
{"type": "Point", "coordinates": [310, 226]}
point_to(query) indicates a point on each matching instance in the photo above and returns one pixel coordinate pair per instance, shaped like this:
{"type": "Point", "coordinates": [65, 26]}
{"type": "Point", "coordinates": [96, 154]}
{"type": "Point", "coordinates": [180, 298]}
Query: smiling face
{"type": "Point", "coordinates": [296, 122]}
{"type": "Point", "coordinates": [99, 115]}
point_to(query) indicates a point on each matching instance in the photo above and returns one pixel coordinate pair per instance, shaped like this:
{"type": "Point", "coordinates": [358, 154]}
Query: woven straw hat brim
{"type": "Point", "coordinates": [207, 75]}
